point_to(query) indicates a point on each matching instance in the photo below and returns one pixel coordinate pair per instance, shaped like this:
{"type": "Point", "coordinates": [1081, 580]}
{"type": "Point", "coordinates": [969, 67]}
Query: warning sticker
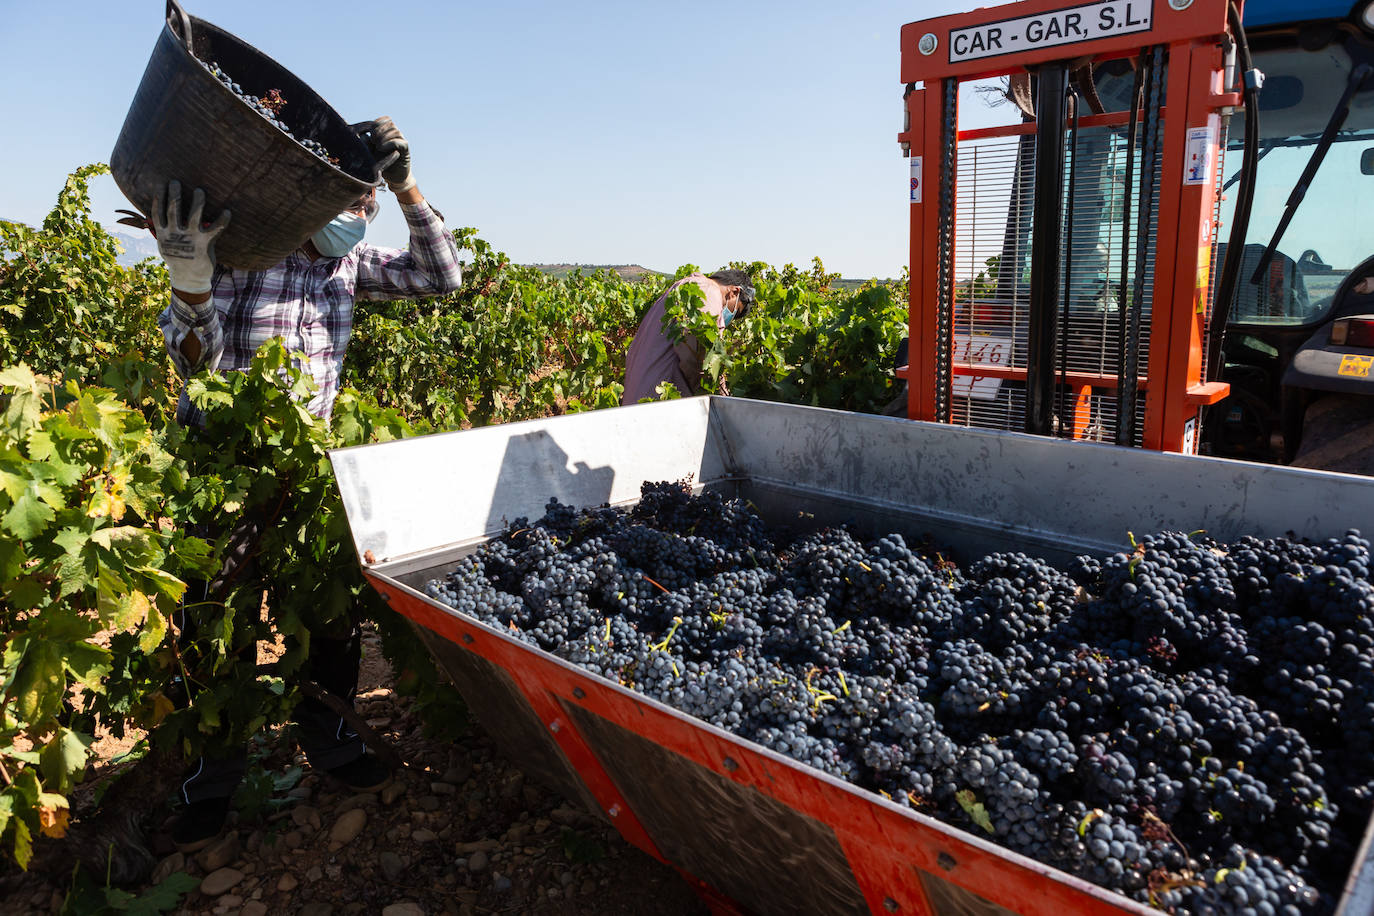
{"type": "Point", "coordinates": [1197, 162]}
{"type": "Point", "coordinates": [1087, 22]}
{"type": "Point", "coordinates": [1356, 366]}
{"type": "Point", "coordinates": [915, 179]}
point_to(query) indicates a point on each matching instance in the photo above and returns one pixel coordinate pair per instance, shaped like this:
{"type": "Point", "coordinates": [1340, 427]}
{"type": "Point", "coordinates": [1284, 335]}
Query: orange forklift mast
{"type": "Point", "coordinates": [1061, 268]}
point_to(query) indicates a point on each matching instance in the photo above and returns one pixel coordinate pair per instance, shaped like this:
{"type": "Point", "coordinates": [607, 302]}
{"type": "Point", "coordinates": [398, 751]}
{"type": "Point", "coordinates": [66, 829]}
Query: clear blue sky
{"type": "Point", "coordinates": [596, 132]}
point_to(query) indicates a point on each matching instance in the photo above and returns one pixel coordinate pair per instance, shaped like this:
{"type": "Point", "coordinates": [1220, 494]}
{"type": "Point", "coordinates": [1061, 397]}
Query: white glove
{"type": "Point", "coordinates": [188, 249]}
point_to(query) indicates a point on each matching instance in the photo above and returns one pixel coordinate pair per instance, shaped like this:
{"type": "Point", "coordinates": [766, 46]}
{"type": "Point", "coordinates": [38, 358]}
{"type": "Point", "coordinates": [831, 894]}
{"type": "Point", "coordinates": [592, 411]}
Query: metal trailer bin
{"type": "Point", "coordinates": [750, 827]}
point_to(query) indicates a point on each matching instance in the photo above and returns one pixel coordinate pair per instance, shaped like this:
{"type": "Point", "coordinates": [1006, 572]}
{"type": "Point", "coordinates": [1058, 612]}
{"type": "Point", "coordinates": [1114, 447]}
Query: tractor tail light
{"type": "Point", "coordinates": [1353, 332]}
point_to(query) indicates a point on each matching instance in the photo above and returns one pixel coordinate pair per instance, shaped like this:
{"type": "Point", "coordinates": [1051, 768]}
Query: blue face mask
{"type": "Point", "coordinates": [338, 238]}
{"type": "Point", "coordinates": [726, 316]}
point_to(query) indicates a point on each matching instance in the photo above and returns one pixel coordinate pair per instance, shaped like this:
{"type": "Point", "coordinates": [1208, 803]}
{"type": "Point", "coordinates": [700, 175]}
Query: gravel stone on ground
{"type": "Point", "coordinates": [219, 881]}
{"type": "Point", "coordinates": [219, 854]}
{"type": "Point", "coordinates": [347, 827]}
{"type": "Point", "coordinates": [405, 846]}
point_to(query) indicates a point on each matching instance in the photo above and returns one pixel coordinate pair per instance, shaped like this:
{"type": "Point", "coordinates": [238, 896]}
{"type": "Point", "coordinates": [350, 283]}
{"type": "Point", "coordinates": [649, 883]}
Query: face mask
{"type": "Point", "coordinates": [338, 238]}
{"type": "Point", "coordinates": [726, 316]}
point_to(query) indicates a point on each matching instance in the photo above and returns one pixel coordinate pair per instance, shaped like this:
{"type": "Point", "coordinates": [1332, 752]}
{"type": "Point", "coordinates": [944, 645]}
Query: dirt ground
{"type": "Point", "coordinates": [459, 831]}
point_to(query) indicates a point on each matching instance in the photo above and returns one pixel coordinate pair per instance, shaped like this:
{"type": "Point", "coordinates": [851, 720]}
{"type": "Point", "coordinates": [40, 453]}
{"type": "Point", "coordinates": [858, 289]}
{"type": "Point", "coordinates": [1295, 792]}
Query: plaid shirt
{"type": "Point", "coordinates": [308, 304]}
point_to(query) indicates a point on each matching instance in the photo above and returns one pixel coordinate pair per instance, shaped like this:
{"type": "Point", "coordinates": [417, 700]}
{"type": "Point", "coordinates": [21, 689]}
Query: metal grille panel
{"type": "Point", "coordinates": [994, 208]}
{"type": "Point", "coordinates": [995, 182]}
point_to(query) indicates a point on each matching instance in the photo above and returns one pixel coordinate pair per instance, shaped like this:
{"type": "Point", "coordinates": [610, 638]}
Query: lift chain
{"type": "Point", "coordinates": [1066, 405]}
{"type": "Point", "coordinates": [1149, 169]}
{"type": "Point", "coordinates": [944, 280]}
{"type": "Point", "coordinates": [1127, 212]}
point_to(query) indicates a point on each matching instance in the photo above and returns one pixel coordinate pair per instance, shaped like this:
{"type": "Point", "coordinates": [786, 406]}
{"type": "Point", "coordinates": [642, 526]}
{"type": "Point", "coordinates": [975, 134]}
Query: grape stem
{"type": "Point", "coordinates": [652, 582]}
{"type": "Point", "coordinates": [663, 646]}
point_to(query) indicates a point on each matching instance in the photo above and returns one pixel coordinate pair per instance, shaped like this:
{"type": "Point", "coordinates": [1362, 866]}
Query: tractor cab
{"type": "Point", "coordinates": [1319, 192]}
{"type": "Point", "coordinates": [1073, 272]}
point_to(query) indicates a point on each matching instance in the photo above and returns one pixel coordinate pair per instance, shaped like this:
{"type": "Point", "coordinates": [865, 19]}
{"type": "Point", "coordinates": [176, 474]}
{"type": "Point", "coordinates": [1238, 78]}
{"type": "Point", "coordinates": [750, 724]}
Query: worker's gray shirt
{"type": "Point", "coordinates": [653, 359]}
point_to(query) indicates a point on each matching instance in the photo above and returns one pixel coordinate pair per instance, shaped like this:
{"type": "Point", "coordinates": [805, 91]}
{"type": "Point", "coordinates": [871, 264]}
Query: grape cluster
{"type": "Point", "coordinates": [1187, 723]}
{"type": "Point", "coordinates": [269, 106]}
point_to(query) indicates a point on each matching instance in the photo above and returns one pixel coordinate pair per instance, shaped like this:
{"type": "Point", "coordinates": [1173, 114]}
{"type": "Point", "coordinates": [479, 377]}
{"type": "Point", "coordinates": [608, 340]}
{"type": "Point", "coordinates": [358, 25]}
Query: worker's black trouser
{"type": "Point", "coordinates": [323, 734]}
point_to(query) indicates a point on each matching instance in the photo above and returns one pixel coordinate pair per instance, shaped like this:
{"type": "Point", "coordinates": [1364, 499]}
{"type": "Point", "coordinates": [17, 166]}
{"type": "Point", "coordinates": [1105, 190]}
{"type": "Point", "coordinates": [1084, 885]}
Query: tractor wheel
{"type": "Point", "coordinates": [1338, 435]}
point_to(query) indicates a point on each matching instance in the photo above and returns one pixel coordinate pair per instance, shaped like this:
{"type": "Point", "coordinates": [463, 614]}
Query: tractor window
{"type": "Point", "coordinates": [1332, 230]}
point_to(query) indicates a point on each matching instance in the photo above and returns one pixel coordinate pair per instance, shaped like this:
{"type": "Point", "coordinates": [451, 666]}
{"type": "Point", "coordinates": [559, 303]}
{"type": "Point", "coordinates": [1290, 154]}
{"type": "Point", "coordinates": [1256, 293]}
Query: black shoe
{"type": "Point", "coordinates": [199, 824]}
{"type": "Point", "coordinates": [363, 774]}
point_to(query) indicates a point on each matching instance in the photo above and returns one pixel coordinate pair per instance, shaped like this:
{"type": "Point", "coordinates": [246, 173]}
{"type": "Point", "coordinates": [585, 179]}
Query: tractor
{"type": "Point", "coordinates": [1163, 246]}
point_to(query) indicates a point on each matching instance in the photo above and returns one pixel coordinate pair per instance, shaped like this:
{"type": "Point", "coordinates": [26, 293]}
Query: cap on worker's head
{"type": "Point", "coordinates": [740, 278]}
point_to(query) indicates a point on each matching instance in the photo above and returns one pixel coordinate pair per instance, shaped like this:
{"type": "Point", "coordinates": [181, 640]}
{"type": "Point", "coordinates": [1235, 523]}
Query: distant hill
{"type": "Point", "coordinates": [136, 246]}
{"type": "Point", "coordinates": [636, 272]}
{"type": "Point", "coordinates": [624, 271]}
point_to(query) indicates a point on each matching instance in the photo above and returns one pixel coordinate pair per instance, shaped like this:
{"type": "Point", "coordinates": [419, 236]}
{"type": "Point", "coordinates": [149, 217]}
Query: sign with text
{"type": "Point", "coordinates": [1087, 22]}
{"type": "Point", "coordinates": [979, 349]}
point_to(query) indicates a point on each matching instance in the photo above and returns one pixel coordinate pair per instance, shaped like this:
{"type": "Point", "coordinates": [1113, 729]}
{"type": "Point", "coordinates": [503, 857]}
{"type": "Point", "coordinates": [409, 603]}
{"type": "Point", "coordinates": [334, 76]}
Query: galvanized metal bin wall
{"type": "Point", "coordinates": [758, 828]}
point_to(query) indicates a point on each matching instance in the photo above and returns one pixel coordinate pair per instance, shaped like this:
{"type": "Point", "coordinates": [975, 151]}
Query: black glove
{"type": "Point", "coordinates": [391, 150]}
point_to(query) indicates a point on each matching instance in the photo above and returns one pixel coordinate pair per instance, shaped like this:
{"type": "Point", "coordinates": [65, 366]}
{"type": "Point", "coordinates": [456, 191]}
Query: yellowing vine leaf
{"type": "Point", "coordinates": [162, 708]}
{"type": "Point", "coordinates": [39, 684]}
{"type": "Point", "coordinates": [63, 759]}
{"type": "Point", "coordinates": [53, 814]}
{"type": "Point", "coordinates": [108, 497]}
{"type": "Point", "coordinates": [123, 612]}
{"type": "Point", "coordinates": [154, 629]}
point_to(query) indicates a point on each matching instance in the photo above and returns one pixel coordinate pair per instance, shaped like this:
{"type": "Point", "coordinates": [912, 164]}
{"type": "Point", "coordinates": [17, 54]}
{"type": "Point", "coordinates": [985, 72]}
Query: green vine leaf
{"type": "Point", "coordinates": [974, 809]}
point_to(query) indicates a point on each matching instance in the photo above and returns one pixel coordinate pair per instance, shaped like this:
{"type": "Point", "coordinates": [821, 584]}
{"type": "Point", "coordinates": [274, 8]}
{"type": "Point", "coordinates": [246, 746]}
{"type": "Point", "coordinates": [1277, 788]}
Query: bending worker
{"type": "Point", "coordinates": [217, 318]}
{"type": "Point", "coordinates": [654, 359]}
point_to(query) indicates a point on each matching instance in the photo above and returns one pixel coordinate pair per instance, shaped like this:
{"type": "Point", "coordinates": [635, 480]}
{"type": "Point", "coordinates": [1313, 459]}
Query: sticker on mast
{"type": "Point", "coordinates": [1087, 22]}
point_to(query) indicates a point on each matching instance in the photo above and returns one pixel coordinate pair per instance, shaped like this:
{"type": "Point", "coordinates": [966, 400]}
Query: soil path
{"type": "Point", "coordinates": [459, 831]}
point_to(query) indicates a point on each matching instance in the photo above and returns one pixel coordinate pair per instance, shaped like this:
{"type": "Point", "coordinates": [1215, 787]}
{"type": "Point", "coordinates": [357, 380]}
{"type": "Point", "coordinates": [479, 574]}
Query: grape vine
{"type": "Point", "coordinates": [96, 474]}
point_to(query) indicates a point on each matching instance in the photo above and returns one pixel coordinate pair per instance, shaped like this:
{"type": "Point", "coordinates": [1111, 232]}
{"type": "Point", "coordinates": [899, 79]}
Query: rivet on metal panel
{"type": "Point", "coordinates": [467, 639]}
{"type": "Point", "coordinates": [1180, 4]}
{"type": "Point", "coordinates": [556, 726]}
{"type": "Point", "coordinates": [579, 693]}
{"type": "Point", "coordinates": [928, 43]}
{"type": "Point", "coordinates": [613, 810]}
{"type": "Point", "coordinates": [946, 861]}
{"type": "Point", "coordinates": [891, 905]}
{"type": "Point", "coordinates": [730, 764]}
